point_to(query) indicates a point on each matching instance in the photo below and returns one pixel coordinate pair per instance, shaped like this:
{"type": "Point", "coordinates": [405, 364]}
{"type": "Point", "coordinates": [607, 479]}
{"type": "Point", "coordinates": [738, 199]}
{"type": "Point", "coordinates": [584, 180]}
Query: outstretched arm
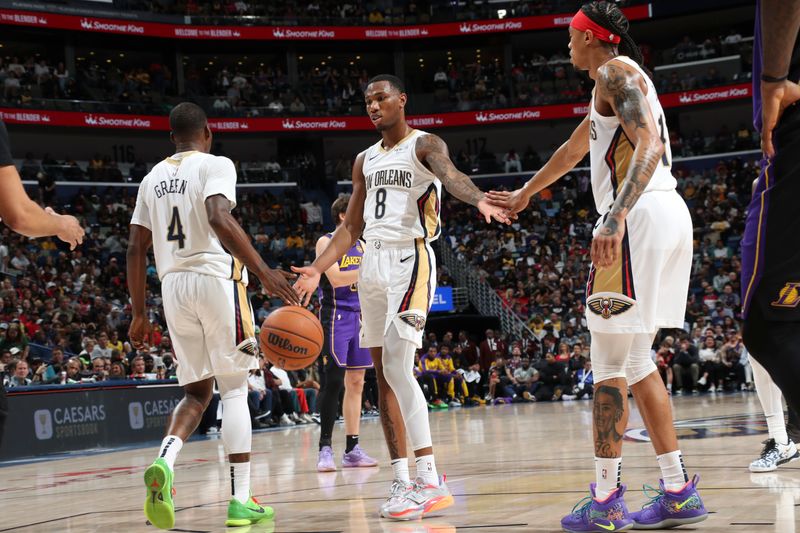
{"type": "Point", "coordinates": [432, 151]}
{"type": "Point", "coordinates": [562, 161]}
{"type": "Point", "coordinates": [337, 277]}
{"type": "Point", "coordinates": [624, 91]}
{"type": "Point", "coordinates": [342, 239]}
{"type": "Point", "coordinates": [234, 239]}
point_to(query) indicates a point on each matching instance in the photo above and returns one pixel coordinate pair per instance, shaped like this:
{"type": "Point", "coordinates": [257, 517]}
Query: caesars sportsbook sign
{"type": "Point", "coordinates": [82, 418]}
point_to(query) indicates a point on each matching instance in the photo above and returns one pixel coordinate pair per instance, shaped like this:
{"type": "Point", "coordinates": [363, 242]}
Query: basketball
{"type": "Point", "coordinates": [291, 337]}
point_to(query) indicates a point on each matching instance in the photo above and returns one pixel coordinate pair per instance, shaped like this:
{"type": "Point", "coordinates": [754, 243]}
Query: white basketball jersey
{"type": "Point", "coordinates": [611, 152]}
{"type": "Point", "coordinates": [171, 204]}
{"type": "Point", "coordinates": [403, 196]}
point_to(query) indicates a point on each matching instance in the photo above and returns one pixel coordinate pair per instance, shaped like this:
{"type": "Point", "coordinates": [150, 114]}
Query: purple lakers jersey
{"type": "Point", "coordinates": [345, 298]}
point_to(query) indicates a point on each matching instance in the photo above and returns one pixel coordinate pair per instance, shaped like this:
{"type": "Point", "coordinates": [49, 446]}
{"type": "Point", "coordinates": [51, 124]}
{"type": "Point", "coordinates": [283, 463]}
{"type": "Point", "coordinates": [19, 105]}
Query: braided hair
{"type": "Point", "coordinates": [609, 16]}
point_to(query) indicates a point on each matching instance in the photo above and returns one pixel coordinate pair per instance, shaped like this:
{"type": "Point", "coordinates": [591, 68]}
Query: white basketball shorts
{"type": "Point", "coordinates": [210, 325]}
{"type": "Point", "coordinates": [648, 286]}
{"type": "Point", "coordinates": [396, 284]}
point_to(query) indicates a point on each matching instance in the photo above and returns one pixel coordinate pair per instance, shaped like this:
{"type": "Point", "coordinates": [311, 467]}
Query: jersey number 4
{"type": "Point", "coordinates": [175, 229]}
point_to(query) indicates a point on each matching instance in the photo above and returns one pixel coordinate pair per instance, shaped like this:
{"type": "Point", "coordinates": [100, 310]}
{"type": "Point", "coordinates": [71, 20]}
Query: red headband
{"type": "Point", "coordinates": [582, 23]}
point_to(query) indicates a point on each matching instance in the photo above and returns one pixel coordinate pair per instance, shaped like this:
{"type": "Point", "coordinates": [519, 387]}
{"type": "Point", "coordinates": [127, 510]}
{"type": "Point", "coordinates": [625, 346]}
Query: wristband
{"type": "Point", "coordinates": [771, 79]}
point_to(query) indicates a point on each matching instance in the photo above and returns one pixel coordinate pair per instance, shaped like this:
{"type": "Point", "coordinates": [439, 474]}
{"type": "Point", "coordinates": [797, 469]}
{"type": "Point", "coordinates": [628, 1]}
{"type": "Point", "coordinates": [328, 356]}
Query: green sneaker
{"type": "Point", "coordinates": [158, 506]}
{"type": "Point", "coordinates": [244, 514]}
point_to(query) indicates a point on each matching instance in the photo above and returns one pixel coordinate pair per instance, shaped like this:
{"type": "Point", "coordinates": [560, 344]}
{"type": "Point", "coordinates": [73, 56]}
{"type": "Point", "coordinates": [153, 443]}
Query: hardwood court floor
{"type": "Point", "coordinates": [512, 469]}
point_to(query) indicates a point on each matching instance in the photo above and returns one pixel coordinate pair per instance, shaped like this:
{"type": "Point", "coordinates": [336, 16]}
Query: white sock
{"type": "Point", "coordinates": [426, 469]}
{"type": "Point", "coordinates": [777, 428]}
{"type": "Point", "coordinates": [672, 470]}
{"type": "Point", "coordinates": [607, 472]}
{"type": "Point", "coordinates": [170, 447]}
{"type": "Point", "coordinates": [400, 467]}
{"type": "Point", "coordinates": [240, 481]}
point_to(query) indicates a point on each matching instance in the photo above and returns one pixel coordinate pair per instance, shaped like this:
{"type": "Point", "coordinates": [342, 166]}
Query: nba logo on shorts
{"type": "Point", "coordinates": [136, 415]}
{"type": "Point", "coordinates": [43, 423]}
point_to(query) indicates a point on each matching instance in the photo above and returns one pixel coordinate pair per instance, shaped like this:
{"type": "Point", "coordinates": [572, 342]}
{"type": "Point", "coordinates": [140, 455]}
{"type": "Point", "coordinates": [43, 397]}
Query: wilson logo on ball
{"type": "Point", "coordinates": [285, 344]}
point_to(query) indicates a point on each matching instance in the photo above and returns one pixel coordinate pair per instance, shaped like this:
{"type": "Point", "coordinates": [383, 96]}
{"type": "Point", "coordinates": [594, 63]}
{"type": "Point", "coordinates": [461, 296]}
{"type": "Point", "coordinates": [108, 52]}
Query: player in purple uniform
{"type": "Point", "coordinates": [771, 242]}
{"type": "Point", "coordinates": [343, 361]}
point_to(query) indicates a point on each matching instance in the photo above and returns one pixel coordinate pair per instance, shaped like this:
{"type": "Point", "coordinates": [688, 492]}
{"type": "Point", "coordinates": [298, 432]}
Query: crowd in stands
{"type": "Point", "coordinates": [146, 84]}
{"type": "Point", "coordinates": [236, 88]}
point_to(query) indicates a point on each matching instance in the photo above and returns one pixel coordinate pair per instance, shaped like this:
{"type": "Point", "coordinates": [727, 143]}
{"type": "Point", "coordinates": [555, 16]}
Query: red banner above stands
{"type": "Point", "coordinates": [441, 120]}
{"type": "Point", "coordinates": [293, 33]}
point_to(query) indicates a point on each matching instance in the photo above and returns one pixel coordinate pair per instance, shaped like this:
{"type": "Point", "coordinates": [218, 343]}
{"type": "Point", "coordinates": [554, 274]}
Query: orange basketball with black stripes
{"type": "Point", "coordinates": [291, 337]}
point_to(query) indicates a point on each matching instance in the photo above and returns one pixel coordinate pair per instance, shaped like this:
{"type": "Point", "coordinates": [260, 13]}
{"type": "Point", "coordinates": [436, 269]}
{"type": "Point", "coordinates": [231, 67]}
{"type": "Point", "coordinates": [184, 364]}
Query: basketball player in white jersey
{"type": "Point", "coordinates": [641, 262]}
{"type": "Point", "coordinates": [183, 210]}
{"type": "Point", "coordinates": [395, 203]}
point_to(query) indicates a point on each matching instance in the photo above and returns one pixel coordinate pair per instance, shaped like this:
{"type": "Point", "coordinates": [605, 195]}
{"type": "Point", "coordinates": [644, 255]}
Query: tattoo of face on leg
{"type": "Point", "coordinates": [608, 411]}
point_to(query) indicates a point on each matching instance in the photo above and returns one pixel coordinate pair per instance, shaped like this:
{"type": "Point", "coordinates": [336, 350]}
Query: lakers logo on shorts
{"type": "Point", "coordinates": [415, 321]}
{"type": "Point", "coordinates": [608, 307]}
{"type": "Point", "coordinates": [789, 296]}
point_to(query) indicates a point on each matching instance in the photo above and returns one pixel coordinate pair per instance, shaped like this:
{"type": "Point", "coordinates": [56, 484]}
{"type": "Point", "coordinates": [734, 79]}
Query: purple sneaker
{"type": "Point", "coordinates": [325, 462]}
{"type": "Point", "coordinates": [592, 515]}
{"type": "Point", "coordinates": [357, 458]}
{"type": "Point", "coordinates": [669, 509]}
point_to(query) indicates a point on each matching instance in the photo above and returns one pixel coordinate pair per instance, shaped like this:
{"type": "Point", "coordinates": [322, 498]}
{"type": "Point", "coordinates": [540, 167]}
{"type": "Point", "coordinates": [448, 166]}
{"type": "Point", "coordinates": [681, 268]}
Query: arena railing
{"type": "Point", "coordinates": [482, 296]}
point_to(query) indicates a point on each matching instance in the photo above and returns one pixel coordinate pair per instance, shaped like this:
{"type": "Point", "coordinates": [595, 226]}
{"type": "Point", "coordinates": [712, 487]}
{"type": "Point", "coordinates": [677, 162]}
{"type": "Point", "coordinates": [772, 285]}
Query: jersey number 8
{"type": "Point", "coordinates": [175, 229]}
{"type": "Point", "coordinates": [380, 203]}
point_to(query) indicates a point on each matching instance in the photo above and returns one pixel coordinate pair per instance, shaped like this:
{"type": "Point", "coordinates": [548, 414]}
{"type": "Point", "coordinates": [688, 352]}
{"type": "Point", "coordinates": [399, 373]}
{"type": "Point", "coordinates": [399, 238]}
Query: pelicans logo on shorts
{"type": "Point", "coordinates": [415, 321]}
{"type": "Point", "coordinates": [608, 307]}
{"type": "Point", "coordinates": [249, 347]}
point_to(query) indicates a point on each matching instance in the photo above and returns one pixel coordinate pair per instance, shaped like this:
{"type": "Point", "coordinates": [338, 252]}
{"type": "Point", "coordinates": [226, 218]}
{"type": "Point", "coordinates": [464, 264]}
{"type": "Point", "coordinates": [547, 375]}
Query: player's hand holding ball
{"type": "Point", "coordinates": [513, 201]}
{"type": "Point", "coordinates": [607, 243]}
{"type": "Point", "coordinates": [306, 283]}
{"type": "Point", "coordinates": [276, 283]}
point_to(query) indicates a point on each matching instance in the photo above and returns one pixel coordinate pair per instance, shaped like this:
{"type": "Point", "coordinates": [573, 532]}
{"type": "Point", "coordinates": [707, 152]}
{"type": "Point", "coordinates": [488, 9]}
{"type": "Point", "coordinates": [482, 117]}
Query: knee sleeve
{"type": "Point", "coordinates": [398, 364]}
{"type": "Point", "coordinates": [640, 364]}
{"type": "Point", "coordinates": [236, 425]}
{"type": "Point", "coordinates": [768, 393]}
{"type": "Point", "coordinates": [609, 354]}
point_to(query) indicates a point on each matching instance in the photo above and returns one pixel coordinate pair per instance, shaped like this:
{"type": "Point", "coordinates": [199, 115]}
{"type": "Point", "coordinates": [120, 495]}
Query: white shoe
{"type": "Point", "coordinates": [712, 389]}
{"type": "Point", "coordinates": [454, 403]}
{"type": "Point", "coordinates": [773, 455]}
{"type": "Point", "coordinates": [307, 418]}
{"type": "Point", "coordinates": [568, 397]}
{"type": "Point", "coordinates": [396, 495]}
{"type": "Point", "coordinates": [286, 421]}
{"type": "Point", "coordinates": [701, 381]}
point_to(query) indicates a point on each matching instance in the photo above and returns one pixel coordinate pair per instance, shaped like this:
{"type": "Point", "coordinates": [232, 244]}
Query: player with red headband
{"type": "Point", "coordinates": [641, 263]}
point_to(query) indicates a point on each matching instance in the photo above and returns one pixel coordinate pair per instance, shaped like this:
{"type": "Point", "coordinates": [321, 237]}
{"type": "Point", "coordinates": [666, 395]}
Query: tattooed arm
{"type": "Point", "coordinates": [623, 91]}
{"type": "Point", "coordinates": [432, 152]}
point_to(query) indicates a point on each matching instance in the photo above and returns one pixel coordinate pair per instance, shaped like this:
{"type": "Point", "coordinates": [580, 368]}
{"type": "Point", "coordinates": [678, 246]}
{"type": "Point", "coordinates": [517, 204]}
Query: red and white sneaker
{"type": "Point", "coordinates": [422, 499]}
